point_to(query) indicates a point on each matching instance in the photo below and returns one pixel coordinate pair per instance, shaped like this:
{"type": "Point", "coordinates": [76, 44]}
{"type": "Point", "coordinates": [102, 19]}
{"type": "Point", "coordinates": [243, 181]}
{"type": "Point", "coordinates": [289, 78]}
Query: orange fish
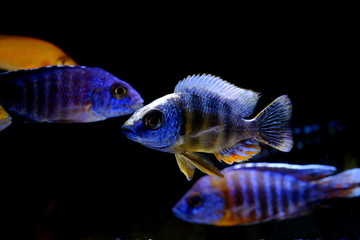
{"type": "Point", "coordinates": [20, 52]}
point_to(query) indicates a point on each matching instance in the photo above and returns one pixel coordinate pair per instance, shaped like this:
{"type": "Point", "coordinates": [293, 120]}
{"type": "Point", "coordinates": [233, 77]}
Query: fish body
{"type": "Point", "coordinates": [21, 52]}
{"type": "Point", "coordinates": [206, 114]}
{"type": "Point", "coordinates": [67, 94]}
{"type": "Point", "coordinates": [259, 192]}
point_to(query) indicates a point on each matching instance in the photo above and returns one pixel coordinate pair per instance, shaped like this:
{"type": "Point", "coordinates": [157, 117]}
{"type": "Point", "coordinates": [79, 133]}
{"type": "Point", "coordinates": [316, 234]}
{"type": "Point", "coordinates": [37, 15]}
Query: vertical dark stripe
{"type": "Point", "coordinates": [264, 195]}
{"type": "Point", "coordinates": [52, 98]}
{"type": "Point", "coordinates": [256, 188]}
{"type": "Point", "coordinates": [196, 112]}
{"type": "Point", "coordinates": [29, 98]}
{"type": "Point", "coordinates": [273, 200]}
{"type": "Point", "coordinates": [211, 118]}
{"type": "Point", "coordinates": [290, 182]}
{"type": "Point", "coordinates": [232, 195]}
{"type": "Point", "coordinates": [279, 193]}
{"type": "Point", "coordinates": [73, 92]}
{"type": "Point", "coordinates": [251, 196]}
{"type": "Point", "coordinates": [296, 188]}
{"type": "Point", "coordinates": [40, 98]}
{"type": "Point", "coordinates": [235, 185]}
{"type": "Point", "coordinates": [64, 93]}
{"type": "Point", "coordinates": [46, 103]}
{"type": "Point", "coordinates": [194, 119]}
{"type": "Point", "coordinates": [285, 193]}
{"type": "Point", "coordinates": [244, 194]}
{"type": "Point", "coordinates": [228, 122]}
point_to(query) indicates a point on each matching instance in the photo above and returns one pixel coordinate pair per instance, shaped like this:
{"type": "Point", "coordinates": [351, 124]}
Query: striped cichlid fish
{"type": "Point", "coordinates": [260, 192]}
{"type": "Point", "coordinates": [67, 94]}
{"type": "Point", "coordinates": [207, 114]}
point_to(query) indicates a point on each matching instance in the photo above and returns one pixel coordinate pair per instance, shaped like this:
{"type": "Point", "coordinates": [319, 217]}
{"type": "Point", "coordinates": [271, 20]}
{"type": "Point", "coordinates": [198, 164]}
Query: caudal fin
{"type": "Point", "coordinates": [5, 119]}
{"type": "Point", "coordinates": [343, 185]}
{"type": "Point", "coordinates": [274, 123]}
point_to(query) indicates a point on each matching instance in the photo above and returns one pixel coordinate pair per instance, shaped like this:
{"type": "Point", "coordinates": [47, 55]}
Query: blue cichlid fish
{"type": "Point", "coordinates": [67, 94]}
{"type": "Point", "coordinates": [259, 192]}
{"type": "Point", "coordinates": [207, 114]}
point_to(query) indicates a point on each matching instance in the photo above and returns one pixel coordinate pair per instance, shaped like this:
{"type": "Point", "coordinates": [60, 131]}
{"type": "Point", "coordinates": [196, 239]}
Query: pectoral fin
{"type": "Point", "coordinates": [196, 160]}
{"type": "Point", "coordinates": [242, 151]}
{"type": "Point", "coordinates": [5, 119]}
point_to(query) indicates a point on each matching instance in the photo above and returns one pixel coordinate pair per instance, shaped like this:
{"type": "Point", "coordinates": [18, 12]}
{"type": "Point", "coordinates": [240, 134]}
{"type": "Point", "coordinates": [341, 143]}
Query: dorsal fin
{"type": "Point", "coordinates": [242, 100]}
{"type": "Point", "coordinates": [308, 172]}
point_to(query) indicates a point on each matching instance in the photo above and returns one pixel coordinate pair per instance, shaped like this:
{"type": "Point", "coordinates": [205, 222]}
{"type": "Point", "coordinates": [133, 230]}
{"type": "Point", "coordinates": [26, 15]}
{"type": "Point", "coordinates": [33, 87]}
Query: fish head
{"type": "Point", "coordinates": [113, 97]}
{"type": "Point", "coordinates": [156, 125]}
{"type": "Point", "coordinates": [203, 203]}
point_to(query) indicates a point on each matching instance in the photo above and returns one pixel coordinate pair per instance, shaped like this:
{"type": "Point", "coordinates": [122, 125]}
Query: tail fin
{"type": "Point", "coordinates": [343, 185]}
{"type": "Point", "coordinates": [274, 123]}
{"type": "Point", "coordinates": [5, 119]}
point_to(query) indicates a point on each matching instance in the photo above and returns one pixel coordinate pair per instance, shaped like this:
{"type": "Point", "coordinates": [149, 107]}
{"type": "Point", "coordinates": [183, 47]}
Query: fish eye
{"type": "Point", "coordinates": [62, 61]}
{"type": "Point", "coordinates": [195, 201]}
{"type": "Point", "coordinates": [118, 91]}
{"type": "Point", "coordinates": [153, 119]}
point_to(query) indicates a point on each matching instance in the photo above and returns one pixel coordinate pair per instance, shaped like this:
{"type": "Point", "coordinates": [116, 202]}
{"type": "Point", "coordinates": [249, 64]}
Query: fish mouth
{"type": "Point", "coordinates": [129, 132]}
{"type": "Point", "coordinates": [177, 212]}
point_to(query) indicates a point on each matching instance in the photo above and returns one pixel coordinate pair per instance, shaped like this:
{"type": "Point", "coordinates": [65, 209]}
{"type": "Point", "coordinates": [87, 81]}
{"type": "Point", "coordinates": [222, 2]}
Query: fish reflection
{"type": "Point", "coordinates": [260, 192]}
{"type": "Point", "coordinates": [67, 94]}
{"type": "Point", "coordinates": [206, 114]}
{"type": "Point", "coordinates": [21, 52]}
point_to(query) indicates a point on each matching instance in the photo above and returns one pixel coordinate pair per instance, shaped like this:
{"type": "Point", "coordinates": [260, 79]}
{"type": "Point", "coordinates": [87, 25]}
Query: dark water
{"type": "Point", "coordinates": [86, 181]}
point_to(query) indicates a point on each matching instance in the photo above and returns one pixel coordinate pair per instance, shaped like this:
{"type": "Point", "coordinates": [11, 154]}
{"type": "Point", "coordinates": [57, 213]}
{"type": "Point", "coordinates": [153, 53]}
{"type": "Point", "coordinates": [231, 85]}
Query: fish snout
{"type": "Point", "coordinates": [177, 212]}
{"type": "Point", "coordinates": [128, 131]}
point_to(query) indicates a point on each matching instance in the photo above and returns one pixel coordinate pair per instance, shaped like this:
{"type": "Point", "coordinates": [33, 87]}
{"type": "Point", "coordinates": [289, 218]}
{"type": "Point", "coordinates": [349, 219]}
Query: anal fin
{"type": "Point", "coordinates": [242, 151]}
{"type": "Point", "coordinates": [189, 161]}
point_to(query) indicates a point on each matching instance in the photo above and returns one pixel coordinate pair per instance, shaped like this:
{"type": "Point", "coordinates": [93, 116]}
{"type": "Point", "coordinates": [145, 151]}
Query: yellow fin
{"type": "Point", "coordinates": [185, 166]}
{"type": "Point", "coordinates": [202, 164]}
{"type": "Point", "coordinates": [5, 119]}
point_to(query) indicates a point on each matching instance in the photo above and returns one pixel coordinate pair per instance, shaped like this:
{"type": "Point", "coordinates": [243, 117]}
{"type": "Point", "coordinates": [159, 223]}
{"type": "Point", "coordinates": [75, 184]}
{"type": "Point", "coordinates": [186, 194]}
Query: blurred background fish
{"type": "Point", "coordinates": [207, 114]}
{"type": "Point", "coordinates": [5, 119]}
{"type": "Point", "coordinates": [67, 94]}
{"type": "Point", "coordinates": [260, 192]}
{"type": "Point", "coordinates": [22, 52]}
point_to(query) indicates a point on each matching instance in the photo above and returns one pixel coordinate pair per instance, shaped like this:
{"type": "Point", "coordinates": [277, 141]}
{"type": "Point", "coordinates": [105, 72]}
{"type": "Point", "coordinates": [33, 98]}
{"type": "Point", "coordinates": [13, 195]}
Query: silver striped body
{"type": "Point", "coordinates": [210, 125]}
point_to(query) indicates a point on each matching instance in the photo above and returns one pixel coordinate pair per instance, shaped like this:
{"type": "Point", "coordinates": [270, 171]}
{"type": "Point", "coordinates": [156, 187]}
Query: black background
{"type": "Point", "coordinates": [86, 181]}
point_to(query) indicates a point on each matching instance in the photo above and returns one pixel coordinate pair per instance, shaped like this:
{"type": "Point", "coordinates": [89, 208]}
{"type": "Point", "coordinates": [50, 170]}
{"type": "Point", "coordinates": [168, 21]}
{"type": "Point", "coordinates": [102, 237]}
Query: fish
{"type": "Point", "coordinates": [67, 94]}
{"type": "Point", "coordinates": [23, 52]}
{"type": "Point", "coordinates": [208, 115]}
{"type": "Point", "coordinates": [255, 193]}
{"type": "Point", "coordinates": [5, 119]}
